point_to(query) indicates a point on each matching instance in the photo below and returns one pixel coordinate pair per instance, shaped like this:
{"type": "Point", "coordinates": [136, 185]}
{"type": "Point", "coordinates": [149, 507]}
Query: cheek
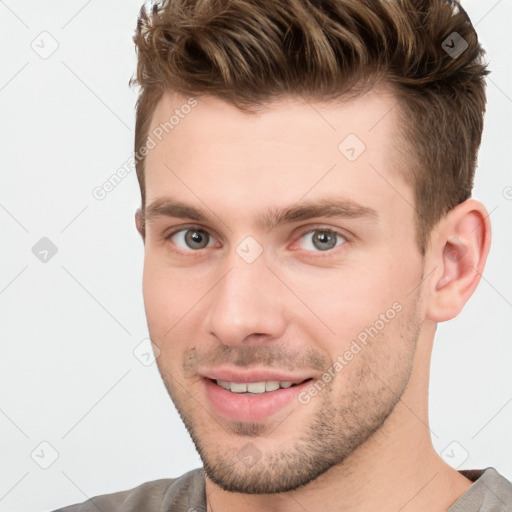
{"type": "Point", "coordinates": [167, 298]}
{"type": "Point", "coordinates": [348, 300]}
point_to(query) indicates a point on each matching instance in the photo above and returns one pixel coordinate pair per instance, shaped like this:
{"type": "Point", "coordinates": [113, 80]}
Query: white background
{"type": "Point", "coordinates": [69, 326]}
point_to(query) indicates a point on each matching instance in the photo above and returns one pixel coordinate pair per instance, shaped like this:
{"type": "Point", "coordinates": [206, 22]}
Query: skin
{"type": "Point", "coordinates": [362, 442]}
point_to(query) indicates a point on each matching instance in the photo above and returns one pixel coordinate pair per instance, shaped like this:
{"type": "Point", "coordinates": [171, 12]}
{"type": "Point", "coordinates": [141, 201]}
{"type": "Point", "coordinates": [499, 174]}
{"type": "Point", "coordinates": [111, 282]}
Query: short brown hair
{"type": "Point", "coordinates": [250, 52]}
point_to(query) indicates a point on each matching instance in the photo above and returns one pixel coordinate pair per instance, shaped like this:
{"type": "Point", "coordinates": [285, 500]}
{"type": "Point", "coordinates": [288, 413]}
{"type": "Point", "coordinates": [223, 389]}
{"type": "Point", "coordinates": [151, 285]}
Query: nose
{"type": "Point", "coordinates": [245, 306]}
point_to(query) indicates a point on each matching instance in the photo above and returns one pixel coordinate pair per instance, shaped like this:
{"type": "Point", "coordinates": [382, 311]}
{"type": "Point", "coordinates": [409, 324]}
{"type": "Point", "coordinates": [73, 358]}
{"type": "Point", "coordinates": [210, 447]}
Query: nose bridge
{"type": "Point", "coordinates": [245, 302]}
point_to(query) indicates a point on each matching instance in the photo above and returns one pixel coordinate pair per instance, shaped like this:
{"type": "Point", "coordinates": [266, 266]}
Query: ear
{"type": "Point", "coordinates": [458, 251]}
{"type": "Point", "coordinates": [139, 223]}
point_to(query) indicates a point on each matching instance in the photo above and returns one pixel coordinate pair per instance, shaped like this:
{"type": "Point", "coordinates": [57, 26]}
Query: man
{"type": "Point", "coordinates": [306, 171]}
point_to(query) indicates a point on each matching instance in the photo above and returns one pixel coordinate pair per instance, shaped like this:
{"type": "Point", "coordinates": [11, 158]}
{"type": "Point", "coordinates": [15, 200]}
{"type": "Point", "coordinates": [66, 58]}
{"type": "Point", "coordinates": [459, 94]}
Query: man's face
{"type": "Point", "coordinates": [327, 298]}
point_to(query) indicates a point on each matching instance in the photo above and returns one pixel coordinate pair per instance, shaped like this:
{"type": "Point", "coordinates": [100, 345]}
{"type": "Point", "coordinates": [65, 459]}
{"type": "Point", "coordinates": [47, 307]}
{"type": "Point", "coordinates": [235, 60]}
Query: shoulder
{"type": "Point", "coordinates": [490, 492]}
{"type": "Point", "coordinates": [182, 493]}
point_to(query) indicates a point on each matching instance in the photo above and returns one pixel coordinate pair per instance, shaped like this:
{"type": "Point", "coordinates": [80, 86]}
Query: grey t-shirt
{"type": "Point", "coordinates": [490, 492]}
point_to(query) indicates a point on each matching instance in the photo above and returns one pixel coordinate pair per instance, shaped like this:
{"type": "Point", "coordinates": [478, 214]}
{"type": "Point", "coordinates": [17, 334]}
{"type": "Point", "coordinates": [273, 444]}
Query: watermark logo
{"type": "Point", "coordinates": [351, 147]}
{"type": "Point", "coordinates": [455, 454]}
{"type": "Point", "coordinates": [45, 45]}
{"type": "Point", "coordinates": [454, 45]}
{"type": "Point", "coordinates": [44, 455]}
{"type": "Point", "coordinates": [249, 249]}
{"type": "Point", "coordinates": [146, 352]}
{"type": "Point", "coordinates": [249, 455]}
{"type": "Point", "coordinates": [44, 250]}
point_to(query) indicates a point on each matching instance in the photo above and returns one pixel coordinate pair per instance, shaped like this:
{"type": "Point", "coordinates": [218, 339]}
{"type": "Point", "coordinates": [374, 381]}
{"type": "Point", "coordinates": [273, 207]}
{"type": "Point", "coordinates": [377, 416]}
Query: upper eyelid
{"type": "Point", "coordinates": [307, 230]}
{"type": "Point", "coordinates": [323, 228]}
{"type": "Point", "coordinates": [187, 227]}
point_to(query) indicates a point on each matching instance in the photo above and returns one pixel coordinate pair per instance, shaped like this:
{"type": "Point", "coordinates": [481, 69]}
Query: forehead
{"type": "Point", "coordinates": [287, 120]}
{"type": "Point", "coordinates": [291, 149]}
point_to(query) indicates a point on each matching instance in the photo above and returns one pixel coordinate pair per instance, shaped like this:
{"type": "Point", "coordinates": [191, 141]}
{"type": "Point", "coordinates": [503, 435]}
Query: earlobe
{"type": "Point", "coordinates": [460, 247]}
{"type": "Point", "coordinates": [139, 224]}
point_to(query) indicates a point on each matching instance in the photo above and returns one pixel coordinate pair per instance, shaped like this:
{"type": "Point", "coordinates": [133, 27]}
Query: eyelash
{"type": "Point", "coordinates": [318, 254]}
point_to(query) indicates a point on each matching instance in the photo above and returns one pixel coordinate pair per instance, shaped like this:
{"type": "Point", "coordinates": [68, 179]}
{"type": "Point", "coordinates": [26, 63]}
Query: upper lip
{"type": "Point", "coordinates": [252, 375]}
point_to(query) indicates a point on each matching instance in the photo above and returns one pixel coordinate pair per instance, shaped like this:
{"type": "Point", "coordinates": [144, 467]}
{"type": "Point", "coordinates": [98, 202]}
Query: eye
{"type": "Point", "coordinates": [194, 239]}
{"type": "Point", "coordinates": [321, 240]}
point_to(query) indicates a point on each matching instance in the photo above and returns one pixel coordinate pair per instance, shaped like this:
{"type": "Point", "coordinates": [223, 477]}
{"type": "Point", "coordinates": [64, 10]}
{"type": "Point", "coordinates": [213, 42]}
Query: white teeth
{"type": "Point", "coordinates": [238, 387]}
{"type": "Point", "coordinates": [271, 385]}
{"type": "Point", "coordinates": [254, 387]}
{"type": "Point", "coordinates": [224, 384]}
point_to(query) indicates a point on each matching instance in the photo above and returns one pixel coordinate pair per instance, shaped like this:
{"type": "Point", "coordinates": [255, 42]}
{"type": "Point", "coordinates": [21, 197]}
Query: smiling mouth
{"type": "Point", "coordinates": [256, 388]}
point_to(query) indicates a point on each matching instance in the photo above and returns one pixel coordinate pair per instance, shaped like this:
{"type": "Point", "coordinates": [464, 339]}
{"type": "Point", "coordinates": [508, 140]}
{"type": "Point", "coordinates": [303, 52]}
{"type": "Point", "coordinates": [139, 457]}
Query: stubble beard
{"type": "Point", "coordinates": [343, 420]}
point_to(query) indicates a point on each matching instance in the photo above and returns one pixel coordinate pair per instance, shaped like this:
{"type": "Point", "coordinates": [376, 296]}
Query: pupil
{"type": "Point", "coordinates": [196, 239]}
{"type": "Point", "coordinates": [323, 237]}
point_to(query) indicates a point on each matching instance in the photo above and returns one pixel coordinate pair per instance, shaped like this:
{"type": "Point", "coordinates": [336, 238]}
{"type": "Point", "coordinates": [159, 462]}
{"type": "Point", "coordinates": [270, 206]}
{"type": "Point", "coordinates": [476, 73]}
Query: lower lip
{"type": "Point", "coordinates": [248, 407]}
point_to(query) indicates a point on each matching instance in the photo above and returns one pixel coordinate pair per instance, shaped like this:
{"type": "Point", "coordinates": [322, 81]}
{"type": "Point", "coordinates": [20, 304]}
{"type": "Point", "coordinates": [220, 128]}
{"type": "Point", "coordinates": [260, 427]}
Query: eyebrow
{"type": "Point", "coordinates": [273, 217]}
